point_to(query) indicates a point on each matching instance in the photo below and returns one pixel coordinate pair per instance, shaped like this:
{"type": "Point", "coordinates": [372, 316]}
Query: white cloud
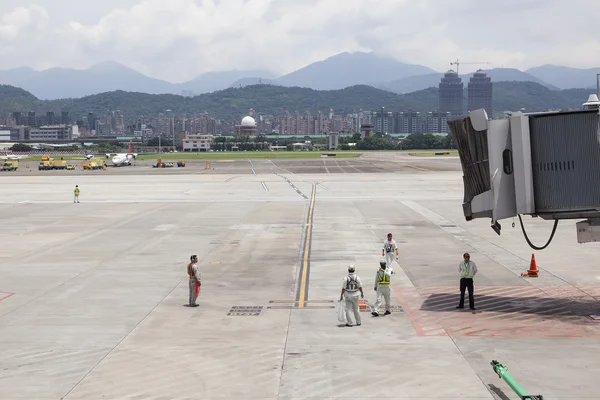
{"type": "Point", "coordinates": [179, 39]}
{"type": "Point", "coordinates": [17, 23]}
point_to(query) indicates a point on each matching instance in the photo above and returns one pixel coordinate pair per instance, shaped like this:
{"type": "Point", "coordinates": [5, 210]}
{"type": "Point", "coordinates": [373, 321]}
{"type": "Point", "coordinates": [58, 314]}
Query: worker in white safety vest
{"type": "Point", "coordinates": [351, 286]}
{"type": "Point", "coordinates": [389, 251]}
{"type": "Point", "coordinates": [467, 270]}
{"type": "Point", "coordinates": [382, 287]}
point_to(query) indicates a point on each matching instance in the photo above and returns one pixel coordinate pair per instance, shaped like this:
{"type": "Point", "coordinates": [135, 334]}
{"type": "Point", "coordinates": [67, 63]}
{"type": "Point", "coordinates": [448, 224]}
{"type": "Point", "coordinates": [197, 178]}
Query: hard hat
{"type": "Point", "coordinates": [351, 268]}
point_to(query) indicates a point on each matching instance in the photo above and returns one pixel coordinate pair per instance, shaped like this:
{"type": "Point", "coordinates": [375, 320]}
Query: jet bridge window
{"type": "Point", "coordinates": [507, 162]}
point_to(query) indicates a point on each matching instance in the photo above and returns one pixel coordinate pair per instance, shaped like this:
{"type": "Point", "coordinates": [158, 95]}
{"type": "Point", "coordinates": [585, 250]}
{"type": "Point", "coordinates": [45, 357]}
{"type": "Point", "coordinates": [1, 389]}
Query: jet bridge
{"type": "Point", "coordinates": [545, 165]}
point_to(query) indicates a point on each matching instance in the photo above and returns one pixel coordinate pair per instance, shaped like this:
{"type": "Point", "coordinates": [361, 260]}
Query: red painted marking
{"type": "Point", "coordinates": [413, 318]}
{"type": "Point", "coordinates": [550, 318]}
{"type": "Point", "coordinates": [8, 294]}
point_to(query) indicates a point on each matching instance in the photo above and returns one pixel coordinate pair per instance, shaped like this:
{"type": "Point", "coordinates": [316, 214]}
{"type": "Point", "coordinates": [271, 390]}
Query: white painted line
{"type": "Point", "coordinates": [252, 167]}
{"type": "Point", "coordinates": [166, 227]}
{"type": "Point", "coordinates": [319, 183]}
{"type": "Point", "coordinates": [265, 187]}
{"type": "Point", "coordinates": [283, 169]}
{"type": "Point", "coordinates": [352, 166]}
{"type": "Point", "coordinates": [326, 169]}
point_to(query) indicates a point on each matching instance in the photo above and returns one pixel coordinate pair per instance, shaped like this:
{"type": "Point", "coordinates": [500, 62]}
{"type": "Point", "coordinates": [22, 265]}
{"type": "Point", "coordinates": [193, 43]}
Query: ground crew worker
{"type": "Point", "coordinates": [76, 192]}
{"type": "Point", "coordinates": [195, 282]}
{"type": "Point", "coordinates": [388, 250]}
{"type": "Point", "coordinates": [382, 287]}
{"type": "Point", "coordinates": [467, 270]}
{"type": "Point", "coordinates": [350, 288]}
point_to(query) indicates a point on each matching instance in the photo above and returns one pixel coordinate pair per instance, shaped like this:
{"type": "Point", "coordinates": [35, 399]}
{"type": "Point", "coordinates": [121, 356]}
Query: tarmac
{"type": "Point", "coordinates": [92, 294]}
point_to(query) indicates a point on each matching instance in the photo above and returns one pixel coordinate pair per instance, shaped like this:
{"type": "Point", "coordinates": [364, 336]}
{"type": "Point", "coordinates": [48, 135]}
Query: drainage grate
{"type": "Point", "coordinates": [244, 311]}
{"type": "Point", "coordinates": [394, 309]}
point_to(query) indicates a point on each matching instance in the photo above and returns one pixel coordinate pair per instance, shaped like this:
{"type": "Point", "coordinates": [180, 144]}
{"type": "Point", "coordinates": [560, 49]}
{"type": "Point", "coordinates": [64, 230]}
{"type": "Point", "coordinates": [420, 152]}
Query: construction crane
{"type": "Point", "coordinates": [457, 63]}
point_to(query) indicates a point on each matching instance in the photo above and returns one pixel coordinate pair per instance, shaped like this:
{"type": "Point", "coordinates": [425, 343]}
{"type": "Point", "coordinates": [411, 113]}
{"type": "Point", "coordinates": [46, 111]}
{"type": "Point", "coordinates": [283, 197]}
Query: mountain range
{"type": "Point", "coordinates": [336, 72]}
{"type": "Point", "coordinates": [233, 103]}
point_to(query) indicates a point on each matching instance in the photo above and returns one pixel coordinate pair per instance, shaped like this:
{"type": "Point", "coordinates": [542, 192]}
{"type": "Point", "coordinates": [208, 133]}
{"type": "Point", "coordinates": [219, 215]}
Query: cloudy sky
{"type": "Point", "coordinates": [177, 40]}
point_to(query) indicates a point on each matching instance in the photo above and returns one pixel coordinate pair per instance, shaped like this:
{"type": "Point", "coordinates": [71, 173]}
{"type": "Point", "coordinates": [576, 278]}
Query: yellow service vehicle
{"type": "Point", "coordinates": [159, 164]}
{"type": "Point", "coordinates": [94, 164]}
{"type": "Point", "coordinates": [10, 165]}
{"type": "Point", "coordinates": [59, 164]}
{"type": "Point", "coordinates": [46, 164]}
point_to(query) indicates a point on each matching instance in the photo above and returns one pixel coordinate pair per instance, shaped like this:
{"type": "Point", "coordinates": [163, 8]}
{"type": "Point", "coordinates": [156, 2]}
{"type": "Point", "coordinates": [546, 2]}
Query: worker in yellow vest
{"type": "Point", "coordinates": [382, 287]}
{"type": "Point", "coordinates": [76, 192]}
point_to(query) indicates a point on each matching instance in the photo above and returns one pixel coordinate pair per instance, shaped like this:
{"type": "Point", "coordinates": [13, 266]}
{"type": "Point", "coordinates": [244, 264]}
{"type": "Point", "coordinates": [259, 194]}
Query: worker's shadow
{"type": "Point", "coordinates": [498, 392]}
{"type": "Point", "coordinates": [550, 307]}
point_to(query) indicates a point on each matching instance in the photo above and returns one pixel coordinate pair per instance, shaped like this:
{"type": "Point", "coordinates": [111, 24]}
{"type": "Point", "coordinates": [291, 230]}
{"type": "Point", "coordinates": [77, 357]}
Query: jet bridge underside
{"type": "Point", "coordinates": [545, 164]}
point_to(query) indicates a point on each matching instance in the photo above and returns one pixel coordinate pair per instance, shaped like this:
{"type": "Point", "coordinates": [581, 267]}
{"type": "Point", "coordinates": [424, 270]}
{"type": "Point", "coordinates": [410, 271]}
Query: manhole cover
{"type": "Point", "coordinates": [244, 311]}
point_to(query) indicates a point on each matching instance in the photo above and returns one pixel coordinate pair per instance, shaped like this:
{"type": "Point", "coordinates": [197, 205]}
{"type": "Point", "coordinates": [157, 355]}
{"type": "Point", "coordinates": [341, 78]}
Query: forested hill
{"type": "Point", "coordinates": [233, 103]}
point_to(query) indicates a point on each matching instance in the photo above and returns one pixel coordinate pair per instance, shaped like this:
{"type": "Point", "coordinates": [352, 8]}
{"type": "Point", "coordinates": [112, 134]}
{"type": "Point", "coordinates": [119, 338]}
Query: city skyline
{"type": "Point", "coordinates": [140, 34]}
{"type": "Point", "coordinates": [450, 105]}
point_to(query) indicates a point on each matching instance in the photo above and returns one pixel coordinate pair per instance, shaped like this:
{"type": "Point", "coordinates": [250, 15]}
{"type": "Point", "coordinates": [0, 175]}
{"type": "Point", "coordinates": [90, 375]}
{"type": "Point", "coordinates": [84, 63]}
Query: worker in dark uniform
{"type": "Point", "coordinates": [195, 282]}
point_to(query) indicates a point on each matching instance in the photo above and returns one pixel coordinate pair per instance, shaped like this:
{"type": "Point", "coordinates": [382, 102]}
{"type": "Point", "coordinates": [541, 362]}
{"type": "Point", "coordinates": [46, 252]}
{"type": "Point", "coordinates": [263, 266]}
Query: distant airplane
{"type": "Point", "coordinates": [85, 157]}
{"type": "Point", "coordinates": [123, 159]}
{"type": "Point", "coordinates": [7, 156]}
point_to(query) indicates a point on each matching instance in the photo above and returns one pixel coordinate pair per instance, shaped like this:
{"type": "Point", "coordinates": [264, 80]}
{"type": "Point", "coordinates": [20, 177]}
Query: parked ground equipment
{"type": "Point", "coordinates": [10, 165]}
{"type": "Point", "coordinates": [94, 164]}
{"type": "Point", "coordinates": [161, 164]}
{"type": "Point", "coordinates": [502, 372]}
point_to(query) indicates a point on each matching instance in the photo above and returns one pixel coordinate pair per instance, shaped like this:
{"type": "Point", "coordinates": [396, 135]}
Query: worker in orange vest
{"type": "Point", "coordinates": [195, 283]}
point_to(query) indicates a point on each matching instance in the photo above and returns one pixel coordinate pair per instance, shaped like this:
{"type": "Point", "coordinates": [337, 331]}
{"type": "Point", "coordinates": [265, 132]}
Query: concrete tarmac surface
{"type": "Point", "coordinates": [92, 295]}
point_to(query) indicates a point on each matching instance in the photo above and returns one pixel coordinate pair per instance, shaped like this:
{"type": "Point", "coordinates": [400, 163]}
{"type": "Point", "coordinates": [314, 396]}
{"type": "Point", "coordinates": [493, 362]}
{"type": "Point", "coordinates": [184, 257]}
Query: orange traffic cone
{"type": "Point", "coordinates": [532, 272]}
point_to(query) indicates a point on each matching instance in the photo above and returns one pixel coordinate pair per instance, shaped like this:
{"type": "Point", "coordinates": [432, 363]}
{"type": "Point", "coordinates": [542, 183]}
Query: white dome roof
{"type": "Point", "coordinates": [248, 121]}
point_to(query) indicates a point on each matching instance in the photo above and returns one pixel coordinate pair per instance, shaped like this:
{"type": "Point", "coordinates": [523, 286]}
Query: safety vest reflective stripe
{"type": "Point", "coordinates": [383, 279]}
{"type": "Point", "coordinates": [77, 192]}
{"type": "Point", "coordinates": [354, 283]}
{"type": "Point", "coordinates": [466, 272]}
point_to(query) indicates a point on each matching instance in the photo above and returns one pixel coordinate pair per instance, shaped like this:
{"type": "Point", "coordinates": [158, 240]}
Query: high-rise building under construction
{"type": "Point", "coordinates": [451, 92]}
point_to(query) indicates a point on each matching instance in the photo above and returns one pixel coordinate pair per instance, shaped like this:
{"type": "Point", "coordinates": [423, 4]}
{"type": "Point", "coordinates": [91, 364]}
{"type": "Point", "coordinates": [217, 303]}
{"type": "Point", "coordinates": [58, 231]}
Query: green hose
{"type": "Point", "coordinates": [502, 372]}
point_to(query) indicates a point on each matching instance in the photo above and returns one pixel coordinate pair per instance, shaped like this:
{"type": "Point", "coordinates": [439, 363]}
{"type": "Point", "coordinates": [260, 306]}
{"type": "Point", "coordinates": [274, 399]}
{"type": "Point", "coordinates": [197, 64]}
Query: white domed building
{"type": "Point", "coordinates": [247, 127]}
